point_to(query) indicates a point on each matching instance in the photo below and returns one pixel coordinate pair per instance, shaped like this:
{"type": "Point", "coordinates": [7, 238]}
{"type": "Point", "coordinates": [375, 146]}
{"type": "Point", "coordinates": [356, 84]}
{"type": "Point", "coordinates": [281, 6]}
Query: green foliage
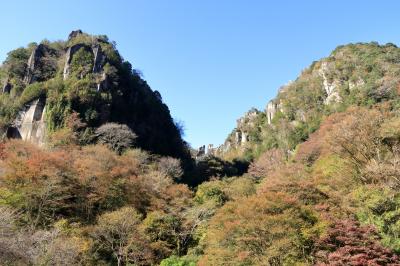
{"type": "Point", "coordinates": [82, 62]}
{"type": "Point", "coordinates": [16, 62]}
{"type": "Point", "coordinates": [316, 167]}
{"type": "Point", "coordinates": [211, 191]}
{"type": "Point", "coordinates": [163, 229]}
{"type": "Point", "coordinates": [178, 261]}
{"type": "Point", "coordinates": [32, 92]}
{"type": "Point", "coordinates": [381, 208]}
{"type": "Point", "coordinates": [114, 94]}
{"type": "Point", "coordinates": [268, 228]}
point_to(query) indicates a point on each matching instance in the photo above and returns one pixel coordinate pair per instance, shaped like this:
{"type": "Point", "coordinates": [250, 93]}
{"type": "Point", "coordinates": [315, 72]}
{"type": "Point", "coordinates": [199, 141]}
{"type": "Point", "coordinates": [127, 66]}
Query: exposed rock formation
{"type": "Point", "coordinates": [41, 60]}
{"type": "Point", "coordinates": [201, 151]}
{"type": "Point", "coordinates": [210, 149]}
{"type": "Point", "coordinates": [32, 62]}
{"type": "Point", "coordinates": [98, 62]}
{"type": "Point", "coordinates": [272, 107]}
{"type": "Point", "coordinates": [355, 84]}
{"type": "Point", "coordinates": [68, 57]}
{"type": "Point", "coordinates": [99, 59]}
{"type": "Point", "coordinates": [7, 87]}
{"type": "Point", "coordinates": [240, 136]}
{"type": "Point", "coordinates": [74, 34]}
{"type": "Point", "coordinates": [330, 87]}
{"type": "Point", "coordinates": [132, 101]}
{"type": "Point", "coordinates": [103, 84]}
{"type": "Point", "coordinates": [30, 124]}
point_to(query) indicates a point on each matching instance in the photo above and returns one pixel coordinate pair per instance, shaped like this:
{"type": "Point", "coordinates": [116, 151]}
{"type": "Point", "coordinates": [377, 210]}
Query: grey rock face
{"type": "Point", "coordinates": [30, 125]}
{"type": "Point", "coordinates": [330, 87]}
{"type": "Point", "coordinates": [201, 151]}
{"type": "Point", "coordinates": [32, 62]}
{"type": "Point", "coordinates": [42, 55]}
{"type": "Point", "coordinates": [272, 108]}
{"type": "Point", "coordinates": [98, 63]}
{"type": "Point", "coordinates": [210, 149]}
{"type": "Point", "coordinates": [99, 59]}
{"type": "Point", "coordinates": [74, 34]}
{"type": "Point", "coordinates": [103, 83]}
{"type": "Point", "coordinates": [7, 87]}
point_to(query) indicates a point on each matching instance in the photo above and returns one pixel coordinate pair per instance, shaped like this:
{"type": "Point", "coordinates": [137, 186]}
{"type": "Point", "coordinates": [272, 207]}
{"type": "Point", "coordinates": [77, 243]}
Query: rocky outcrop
{"type": "Point", "coordinates": [201, 151]}
{"type": "Point", "coordinates": [272, 108]}
{"type": "Point", "coordinates": [30, 124]}
{"type": "Point", "coordinates": [32, 63]}
{"type": "Point", "coordinates": [330, 87]}
{"type": "Point", "coordinates": [99, 59]}
{"type": "Point", "coordinates": [41, 65]}
{"type": "Point", "coordinates": [74, 34]}
{"type": "Point", "coordinates": [68, 57]}
{"type": "Point", "coordinates": [98, 62]}
{"type": "Point", "coordinates": [358, 83]}
{"type": "Point", "coordinates": [7, 87]}
{"type": "Point", "coordinates": [103, 83]}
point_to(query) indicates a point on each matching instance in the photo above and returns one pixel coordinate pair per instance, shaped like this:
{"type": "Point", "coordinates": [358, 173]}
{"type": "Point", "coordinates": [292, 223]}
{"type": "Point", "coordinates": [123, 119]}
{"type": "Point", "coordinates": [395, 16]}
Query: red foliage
{"type": "Point", "coordinates": [348, 243]}
{"type": "Point", "coordinates": [310, 150]}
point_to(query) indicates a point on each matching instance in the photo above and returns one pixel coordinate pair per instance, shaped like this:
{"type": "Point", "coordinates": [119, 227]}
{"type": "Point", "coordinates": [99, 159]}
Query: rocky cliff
{"type": "Point", "coordinates": [355, 74]}
{"type": "Point", "coordinates": [44, 84]}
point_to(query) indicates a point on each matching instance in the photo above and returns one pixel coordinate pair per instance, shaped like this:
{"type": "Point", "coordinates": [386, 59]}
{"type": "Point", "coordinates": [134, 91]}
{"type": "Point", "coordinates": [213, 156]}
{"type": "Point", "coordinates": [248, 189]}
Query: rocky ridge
{"type": "Point", "coordinates": [86, 75]}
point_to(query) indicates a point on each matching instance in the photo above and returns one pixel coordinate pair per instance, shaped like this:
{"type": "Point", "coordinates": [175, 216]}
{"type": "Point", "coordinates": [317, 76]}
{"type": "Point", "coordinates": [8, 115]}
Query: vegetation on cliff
{"type": "Point", "coordinates": [322, 187]}
{"type": "Point", "coordinates": [86, 75]}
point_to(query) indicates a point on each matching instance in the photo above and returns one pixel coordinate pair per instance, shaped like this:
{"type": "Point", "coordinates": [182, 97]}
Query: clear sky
{"type": "Point", "coordinates": [212, 60]}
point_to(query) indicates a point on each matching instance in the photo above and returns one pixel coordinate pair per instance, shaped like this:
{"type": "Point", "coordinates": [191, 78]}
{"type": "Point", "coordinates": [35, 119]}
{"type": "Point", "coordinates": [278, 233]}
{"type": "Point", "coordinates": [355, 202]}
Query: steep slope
{"type": "Point", "coordinates": [44, 85]}
{"type": "Point", "coordinates": [359, 74]}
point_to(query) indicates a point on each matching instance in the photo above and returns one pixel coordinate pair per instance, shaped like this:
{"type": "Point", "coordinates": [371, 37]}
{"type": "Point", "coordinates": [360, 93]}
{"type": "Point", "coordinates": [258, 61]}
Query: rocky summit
{"type": "Point", "coordinates": [44, 84]}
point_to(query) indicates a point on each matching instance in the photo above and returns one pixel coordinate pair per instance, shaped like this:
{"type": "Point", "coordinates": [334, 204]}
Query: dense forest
{"type": "Point", "coordinates": [313, 180]}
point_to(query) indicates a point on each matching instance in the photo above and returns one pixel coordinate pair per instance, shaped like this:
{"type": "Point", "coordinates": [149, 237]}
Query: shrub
{"type": "Point", "coordinates": [178, 261]}
{"type": "Point", "coordinates": [348, 243]}
{"type": "Point", "coordinates": [267, 163]}
{"type": "Point", "coordinates": [267, 229]}
{"type": "Point", "coordinates": [117, 233]}
{"type": "Point", "coordinates": [171, 167]}
{"type": "Point", "coordinates": [380, 207]}
{"type": "Point", "coordinates": [117, 137]}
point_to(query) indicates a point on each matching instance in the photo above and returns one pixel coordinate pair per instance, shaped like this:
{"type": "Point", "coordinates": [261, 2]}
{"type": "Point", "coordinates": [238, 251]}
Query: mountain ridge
{"type": "Point", "coordinates": [332, 84]}
{"type": "Point", "coordinates": [56, 73]}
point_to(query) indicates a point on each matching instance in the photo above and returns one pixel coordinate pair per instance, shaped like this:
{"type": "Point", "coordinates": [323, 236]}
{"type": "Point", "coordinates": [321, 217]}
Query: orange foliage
{"type": "Point", "coordinates": [92, 179]}
{"type": "Point", "coordinates": [267, 163]}
{"type": "Point", "coordinates": [263, 229]}
{"type": "Point", "coordinates": [316, 145]}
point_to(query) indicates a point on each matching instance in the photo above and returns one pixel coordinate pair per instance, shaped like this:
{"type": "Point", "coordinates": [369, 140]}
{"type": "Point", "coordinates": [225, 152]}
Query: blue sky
{"type": "Point", "coordinates": [211, 60]}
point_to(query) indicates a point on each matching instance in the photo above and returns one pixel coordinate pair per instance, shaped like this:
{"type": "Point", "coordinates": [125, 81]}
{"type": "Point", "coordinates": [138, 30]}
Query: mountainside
{"type": "Point", "coordinates": [312, 180]}
{"type": "Point", "coordinates": [81, 84]}
{"type": "Point", "coordinates": [359, 74]}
